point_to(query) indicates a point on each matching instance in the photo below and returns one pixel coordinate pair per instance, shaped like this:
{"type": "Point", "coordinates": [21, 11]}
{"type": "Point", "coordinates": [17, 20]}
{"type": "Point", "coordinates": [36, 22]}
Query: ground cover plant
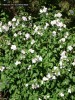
{"type": "Point", "coordinates": [37, 60]}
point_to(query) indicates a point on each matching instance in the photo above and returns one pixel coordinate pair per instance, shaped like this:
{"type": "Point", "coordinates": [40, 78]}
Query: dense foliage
{"type": "Point", "coordinates": [37, 59]}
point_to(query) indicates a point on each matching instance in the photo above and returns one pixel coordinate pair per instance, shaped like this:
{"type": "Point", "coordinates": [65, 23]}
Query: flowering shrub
{"type": "Point", "coordinates": [39, 58]}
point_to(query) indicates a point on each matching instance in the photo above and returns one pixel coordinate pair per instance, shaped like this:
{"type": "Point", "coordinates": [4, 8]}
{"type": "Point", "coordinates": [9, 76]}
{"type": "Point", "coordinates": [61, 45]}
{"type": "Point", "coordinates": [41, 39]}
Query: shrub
{"type": "Point", "coordinates": [39, 57]}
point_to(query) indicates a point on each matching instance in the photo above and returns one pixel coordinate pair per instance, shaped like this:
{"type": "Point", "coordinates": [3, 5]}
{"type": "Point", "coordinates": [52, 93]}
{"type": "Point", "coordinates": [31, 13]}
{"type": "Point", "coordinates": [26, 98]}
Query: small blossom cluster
{"type": "Point", "coordinates": [63, 40]}
{"type": "Point", "coordinates": [35, 86]}
{"type": "Point", "coordinates": [62, 58]}
{"type": "Point", "coordinates": [44, 10]}
{"type": "Point", "coordinates": [73, 63]}
{"type": "Point", "coordinates": [61, 94]}
{"type": "Point", "coordinates": [46, 25]}
{"type": "Point", "coordinates": [37, 30]}
{"type": "Point", "coordinates": [3, 28]}
{"type": "Point", "coordinates": [17, 63]}
{"type": "Point", "coordinates": [58, 15]}
{"type": "Point", "coordinates": [57, 22]}
{"type": "Point", "coordinates": [2, 68]}
{"type": "Point", "coordinates": [51, 76]}
{"type": "Point", "coordinates": [13, 23]}
{"type": "Point", "coordinates": [37, 59]}
{"type": "Point", "coordinates": [48, 77]}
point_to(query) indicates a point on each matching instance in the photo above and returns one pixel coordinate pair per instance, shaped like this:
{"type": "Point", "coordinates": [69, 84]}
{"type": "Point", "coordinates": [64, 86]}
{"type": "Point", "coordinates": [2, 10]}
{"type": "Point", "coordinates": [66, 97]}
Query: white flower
{"type": "Point", "coordinates": [55, 68]}
{"type": "Point", "coordinates": [69, 48]}
{"type": "Point", "coordinates": [53, 77]}
{"type": "Point", "coordinates": [19, 33]}
{"type": "Point", "coordinates": [45, 97]}
{"type": "Point", "coordinates": [17, 63]}
{"type": "Point", "coordinates": [60, 46]}
{"type": "Point", "coordinates": [45, 78]}
{"type": "Point", "coordinates": [2, 68]}
{"type": "Point", "coordinates": [61, 67]}
{"type": "Point", "coordinates": [48, 96]}
{"type": "Point", "coordinates": [13, 47]}
{"type": "Point", "coordinates": [22, 57]}
{"type": "Point", "coordinates": [39, 58]}
{"type": "Point", "coordinates": [60, 63]}
{"type": "Point", "coordinates": [22, 51]}
{"type": "Point", "coordinates": [69, 70]}
{"type": "Point", "coordinates": [58, 15]}
{"type": "Point", "coordinates": [62, 40]}
{"type": "Point", "coordinates": [64, 25]}
{"type": "Point", "coordinates": [13, 27]}
{"type": "Point", "coordinates": [33, 41]}
{"type": "Point", "coordinates": [17, 24]}
{"type": "Point", "coordinates": [53, 22]}
{"type": "Point", "coordinates": [34, 26]}
{"type": "Point", "coordinates": [39, 33]}
{"type": "Point", "coordinates": [9, 23]}
{"type": "Point", "coordinates": [27, 35]}
{"type": "Point", "coordinates": [48, 75]}
{"type": "Point", "coordinates": [39, 99]}
{"type": "Point", "coordinates": [67, 34]}
{"type": "Point", "coordinates": [29, 17]}
{"type": "Point", "coordinates": [60, 29]}
{"type": "Point", "coordinates": [34, 60]}
{"type": "Point", "coordinates": [15, 35]}
{"type": "Point", "coordinates": [24, 18]}
{"type": "Point", "coordinates": [36, 29]}
{"type": "Point", "coordinates": [41, 11]}
{"type": "Point", "coordinates": [73, 63]}
{"type": "Point", "coordinates": [29, 67]}
{"type": "Point", "coordinates": [31, 50]}
{"type": "Point", "coordinates": [63, 55]}
{"type": "Point", "coordinates": [44, 9]}
{"type": "Point", "coordinates": [61, 94]}
{"type": "Point", "coordinates": [26, 85]}
{"type": "Point", "coordinates": [23, 25]}
{"type": "Point", "coordinates": [65, 37]}
{"type": "Point", "coordinates": [45, 27]}
{"type": "Point", "coordinates": [34, 86]}
{"type": "Point", "coordinates": [69, 90]}
{"type": "Point", "coordinates": [14, 19]}
{"type": "Point", "coordinates": [54, 33]}
{"type": "Point", "coordinates": [57, 20]}
{"type": "Point", "coordinates": [37, 85]}
{"type": "Point", "coordinates": [47, 24]}
{"type": "Point", "coordinates": [46, 14]}
{"type": "Point", "coordinates": [58, 73]}
{"type": "Point", "coordinates": [59, 24]}
{"type": "Point", "coordinates": [8, 43]}
{"type": "Point", "coordinates": [24, 38]}
{"type": "Point", "coordinates": [5, 27]}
